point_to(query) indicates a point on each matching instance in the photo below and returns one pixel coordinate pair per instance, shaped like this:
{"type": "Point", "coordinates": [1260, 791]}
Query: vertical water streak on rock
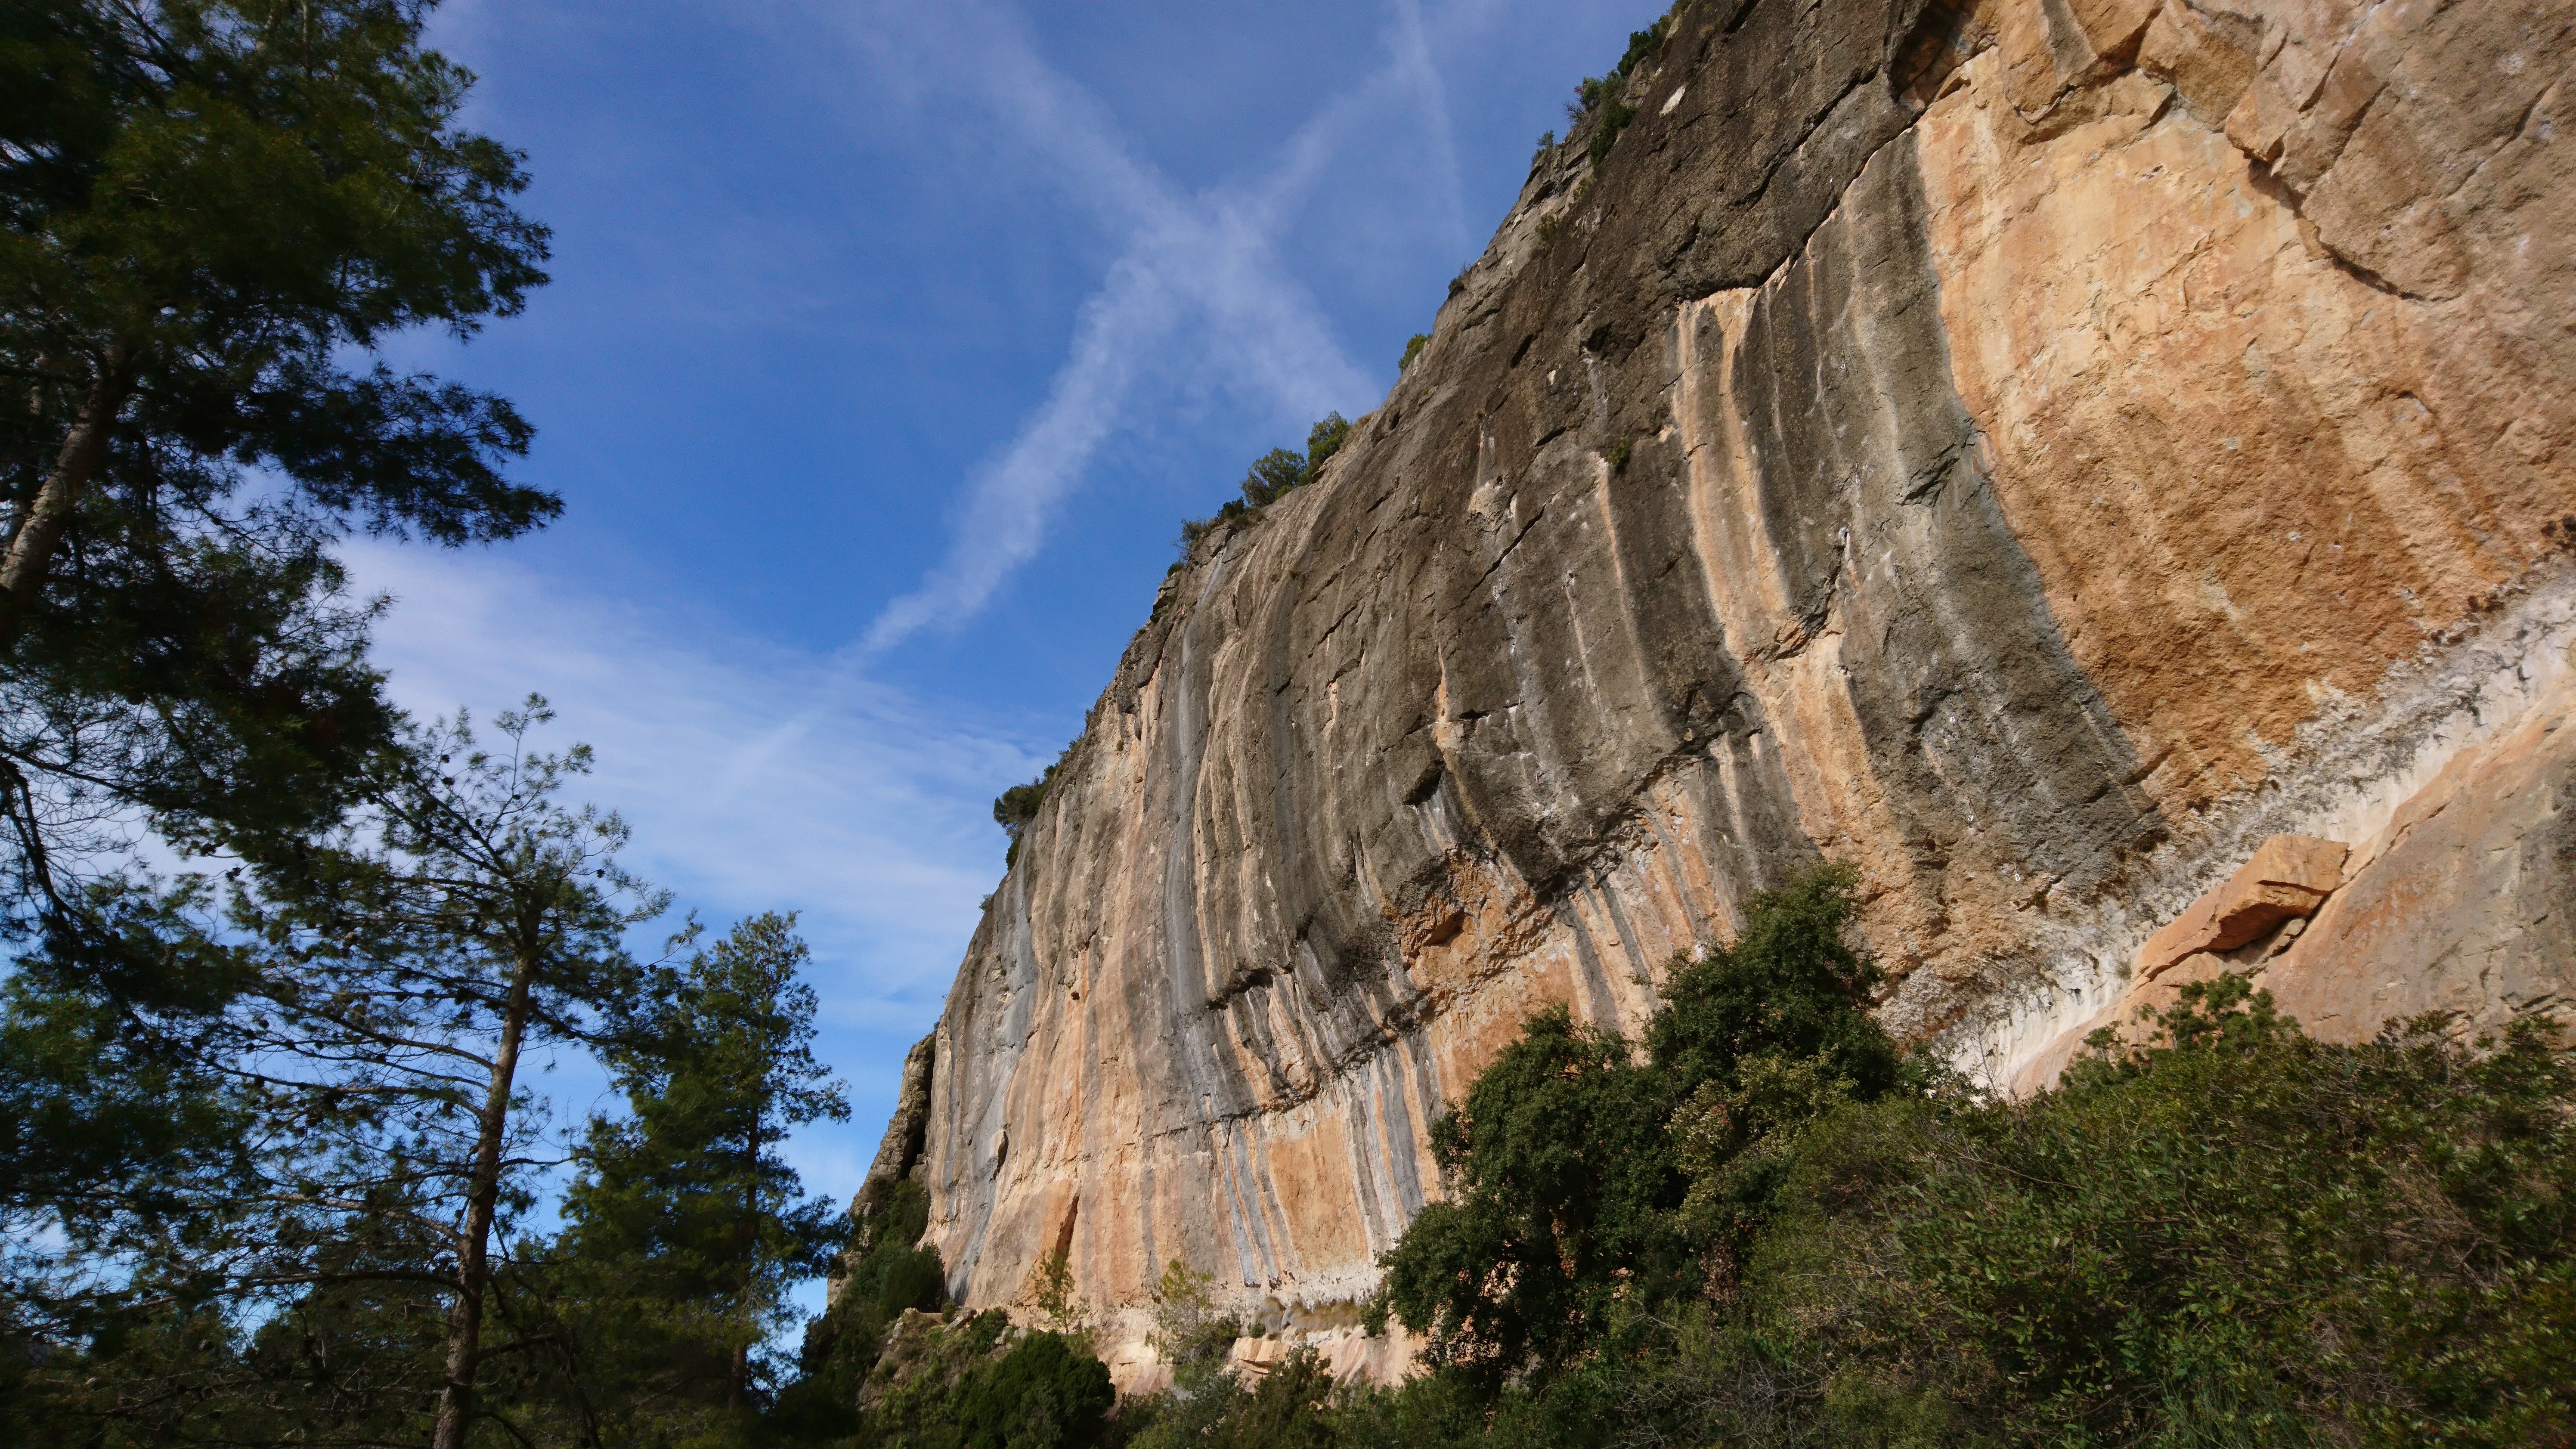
{"type": "Point", "coordinates": [1600, 1007]}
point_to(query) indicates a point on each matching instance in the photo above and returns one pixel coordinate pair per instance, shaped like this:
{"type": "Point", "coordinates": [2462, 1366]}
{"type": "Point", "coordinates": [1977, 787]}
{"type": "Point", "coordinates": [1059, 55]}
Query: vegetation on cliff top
{"type": "Point", "coordinates": [1270, 478]}
{"type": "Point", "coordinates": [1601, 101]}
{"type": "Point", "coordinates": [1016, 807]}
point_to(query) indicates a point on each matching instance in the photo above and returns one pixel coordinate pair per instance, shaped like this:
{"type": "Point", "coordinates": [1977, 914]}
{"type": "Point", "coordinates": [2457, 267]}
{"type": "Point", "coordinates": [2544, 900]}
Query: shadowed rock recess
{"type": "Point", "coordinates": [2035, 452]}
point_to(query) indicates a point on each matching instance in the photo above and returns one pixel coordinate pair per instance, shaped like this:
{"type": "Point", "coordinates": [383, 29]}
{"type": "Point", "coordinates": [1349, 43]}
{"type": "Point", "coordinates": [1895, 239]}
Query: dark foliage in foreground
{"type": "Point", "coordinates": [1570, 1197]}
{"type": "Point", "coordinates": [1760, 1225]}
{"type": "Point", "coordinates": [214, 217]}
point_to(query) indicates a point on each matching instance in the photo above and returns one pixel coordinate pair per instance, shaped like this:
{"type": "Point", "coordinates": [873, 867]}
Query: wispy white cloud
{"type": "Point", "coordinates": [1197, 278]}
{"type": "Point", "coordinates": [1410, 45]}
{"type": "Point", "coordinates": [1005, 515]}
{"type": "Point", "coordinates": [755, 777]}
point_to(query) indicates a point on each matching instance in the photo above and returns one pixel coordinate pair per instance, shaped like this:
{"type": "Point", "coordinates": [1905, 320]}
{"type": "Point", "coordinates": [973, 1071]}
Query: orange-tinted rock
{"type": "Point", "coordinates": [2464, 905]}
{"type": "Point", "coordinates": [2462, 902]}
{"type": "Point", "coordinates": [2290, 876]}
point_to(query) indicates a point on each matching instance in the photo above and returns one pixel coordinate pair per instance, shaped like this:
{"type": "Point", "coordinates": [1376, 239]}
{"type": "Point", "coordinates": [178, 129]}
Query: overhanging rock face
{"type": "Point", "coordinates": [2035, 452]}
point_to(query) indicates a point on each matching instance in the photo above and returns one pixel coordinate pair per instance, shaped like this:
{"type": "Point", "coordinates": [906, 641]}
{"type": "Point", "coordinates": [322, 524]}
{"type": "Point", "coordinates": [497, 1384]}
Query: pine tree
{"type": "Point", "coordinates": [687, 1229]}
{"type": "Point", "coordinates": [347, 1233]}
{"type": "Point", "coordinates": [461, 923]}
{"type": "Point", "coordinates": [213, 214]}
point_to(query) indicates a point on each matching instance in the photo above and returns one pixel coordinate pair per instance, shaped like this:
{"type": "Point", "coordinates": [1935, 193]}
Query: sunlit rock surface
{"type": "Point", "coordinates": [2035, 452]}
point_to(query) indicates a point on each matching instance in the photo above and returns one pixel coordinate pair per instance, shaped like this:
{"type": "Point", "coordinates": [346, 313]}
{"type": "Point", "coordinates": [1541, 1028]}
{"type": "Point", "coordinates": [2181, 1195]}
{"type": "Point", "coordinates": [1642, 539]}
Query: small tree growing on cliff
{"type": "Point", "coordinates": [1323, 440]}
{"type": "Point", "coordinates": [1059, 1308]}
{"type": "Point", "coordinates": [1187, 1330]}
{"type": "Point", "coordinates": [1271, 477]}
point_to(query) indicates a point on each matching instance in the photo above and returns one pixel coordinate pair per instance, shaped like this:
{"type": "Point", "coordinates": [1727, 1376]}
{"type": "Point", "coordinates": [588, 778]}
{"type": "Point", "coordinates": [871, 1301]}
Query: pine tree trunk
{"type": "Point", "coordinates": [473, 1270]}
{"type": "Point", "coordinates": [31, 547]}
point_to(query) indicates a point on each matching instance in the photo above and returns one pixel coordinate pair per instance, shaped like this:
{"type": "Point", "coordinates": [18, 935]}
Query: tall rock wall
{"type": "Point", "coordinates": [2033, 451]}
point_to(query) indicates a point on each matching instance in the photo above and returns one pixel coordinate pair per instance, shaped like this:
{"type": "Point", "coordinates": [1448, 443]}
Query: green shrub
{"type": "Point", "coordinates": [1559, 1192]}
{"type": "Point", "coordinates": [1589, 95]}
{"type": "Point", "coordinates": [1601, 98]}
{"type": "Point", "coordinates": [1284, 1410]}
{"type": "Point", "coordinates": [922, 1378]}
{"type": "Point", "coordinates": [1044, 1393]}
{"type": "Point", "coordinates": [842, 1345]}
{"type": "Point", "coordinates": [895, 1274]}
{"type": "Point", "coordinates": [1615, 117]}
{"type": "Point", "coordinates": [1789, 986]}
{"type": "Point", "coordinates": [1322, 441]}
{"type": "Point", "coordinates": [1290, 1407]}
{"type": "Point", "coordinates": [1053, 1300]}
{"type": "Point", "coordinates": [1188, 1331]}
{"type": "Point", "coordinates": [1271, 476]}
{"type": "Point", "coordinates": [911, 1278]}
{"type": "Point", "coordinates": [1015, 807]}
{"type": "Point", "coordinates": [2246, 1236]}
{"type": "Point", "coordinates": [1571, 1202]}
{"type": "Point", "coordinates": [1646, 44]}
{"type": "Point", "coordinates": [2235, 1236]}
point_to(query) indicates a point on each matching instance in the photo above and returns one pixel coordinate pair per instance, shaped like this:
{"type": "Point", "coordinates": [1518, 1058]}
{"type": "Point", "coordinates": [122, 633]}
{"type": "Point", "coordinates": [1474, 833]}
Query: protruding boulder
{"type": "Point", "coordinates": [2289, 877]}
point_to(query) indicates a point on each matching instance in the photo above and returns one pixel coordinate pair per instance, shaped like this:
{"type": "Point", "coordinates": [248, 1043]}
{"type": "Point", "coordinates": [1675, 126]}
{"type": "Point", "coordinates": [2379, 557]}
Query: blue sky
{"type": "Point", "coordinates": [888, 346]}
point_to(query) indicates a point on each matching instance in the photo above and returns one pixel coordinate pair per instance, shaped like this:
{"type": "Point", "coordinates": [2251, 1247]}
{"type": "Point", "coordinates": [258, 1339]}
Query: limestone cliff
{"type": "Point", "coordinates": [2034, 451]}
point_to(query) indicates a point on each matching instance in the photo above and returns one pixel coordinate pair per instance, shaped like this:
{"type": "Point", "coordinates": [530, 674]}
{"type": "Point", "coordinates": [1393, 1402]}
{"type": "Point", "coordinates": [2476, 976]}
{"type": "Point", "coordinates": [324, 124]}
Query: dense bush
{"type": "Point", "coordinates": [1290, 1407]}
{"type": "Point", "coordinates": [967, 1381]}
{"type": "Point", "coordinates": [1571, 1203]}
{"type": "Point", "coordinates": [842, 1345]}
{"type": "Point", "coordinates": [1615, 115]}
{"type": "Point", "coordinates": [1646, 44]}
{"type": "Point", "coordinates": [1324, 440]}
{"type": "Point", "coordinates": [1015, 807]}
{"type": "Point", "coordinates": [1271, 476]}
{"type": "Point", "coordinates": [2244, 1236]}
{"type": "Point", "coordinates": [1045, 1392]}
